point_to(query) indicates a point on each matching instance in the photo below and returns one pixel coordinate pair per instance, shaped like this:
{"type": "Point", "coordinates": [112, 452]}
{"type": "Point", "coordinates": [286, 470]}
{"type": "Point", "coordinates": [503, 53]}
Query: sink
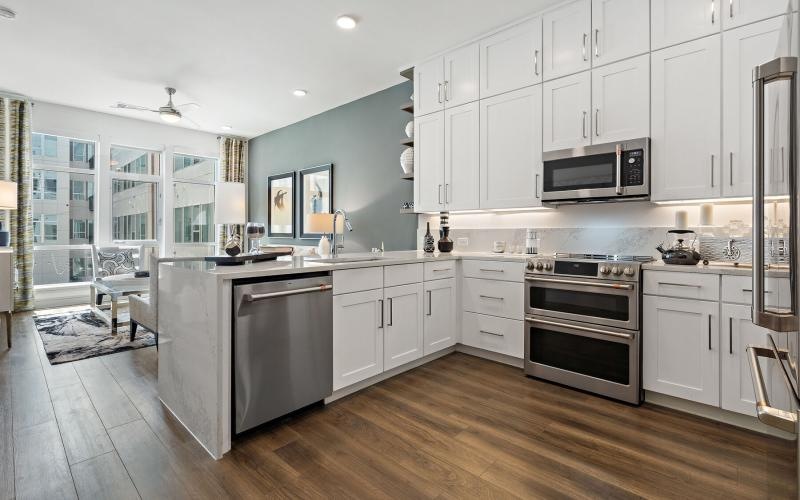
{"type": "Point", "coordinates": [343, 259]}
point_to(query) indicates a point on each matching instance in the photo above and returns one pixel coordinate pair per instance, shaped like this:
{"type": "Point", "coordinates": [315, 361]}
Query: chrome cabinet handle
{"type": "Point", "coordinates": [440, 270]}
{"type": "Point", "coordinates": [440, 194]}
{"type": "Point", "coordinates": [536, 187]}
{"type": "Point", "coordinates": [709, 332]}
{"type": "Point", "coordinates": [391, 312]}
{"type": "Point", "coordinates": [446, 191]}
{"type": "Point", "coordinates": [536, 62]}
{"type": "Point", "coordinates": [489, 297]}
{"type": "Point", "coordinates": [487, 332]}
{"type": "Point", "coordinates": [678, 284]}
{"type": "Point", "coordinates": [380, 301]}
{"type": "Point", "coordinates": [730, 9]}
{"type": "Point", "coordinates": [730, 335]}
{"type": "Point", "coordinates": [254, 297]}
{"type": "Point", "coordinates": [783, 167]}
{"type": "Point", "coordinates": [583, 49]}
{"type": "Point", "coordinates": [439, 92]}
{"type": "Point", "coordinates": [446, 91]}
{"type": "Point", "coordinates": [751, 290]}
{"type": "Point", "coordinates": [596, 43]}
{"type": "Point", "coordinates": [430, 302]}
{"type": "Point", "coordinates": [712, 171]}
{"type": "Point", "coordinates": [731, 168]}
{"type": "Point", "coordinates": [597, 122]}
{"type": "Point", "coordinates": [713, 11]}
{"type": "Point", "coordinates": [492, 270]}
{"type": "Point", "coordinates": [583, 125]}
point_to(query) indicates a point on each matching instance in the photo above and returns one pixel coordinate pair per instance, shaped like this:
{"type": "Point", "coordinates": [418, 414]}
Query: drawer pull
{"type": "Point", "coordinates": [750, 290]}
{"type": "Point", "coordinates": [441, 270]}
{"type": "Point", "coordinates": [679, 284]}
{"type": "Point", "coordinates": [487, 332]}
{"type": "Point", "coordinates": [491, 297]}
{"type": "Point", "coordinates": [492, 270]}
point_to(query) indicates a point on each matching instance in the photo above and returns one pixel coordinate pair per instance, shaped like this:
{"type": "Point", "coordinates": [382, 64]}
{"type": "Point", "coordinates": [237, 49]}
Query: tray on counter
{"type": "Point", "coordinates": [227, 260]}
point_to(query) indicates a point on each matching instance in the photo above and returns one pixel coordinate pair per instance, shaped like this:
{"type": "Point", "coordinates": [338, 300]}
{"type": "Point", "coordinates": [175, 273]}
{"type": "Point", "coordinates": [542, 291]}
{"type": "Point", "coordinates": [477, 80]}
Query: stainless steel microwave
{"type": "Point", "coordinates": [617, 171]}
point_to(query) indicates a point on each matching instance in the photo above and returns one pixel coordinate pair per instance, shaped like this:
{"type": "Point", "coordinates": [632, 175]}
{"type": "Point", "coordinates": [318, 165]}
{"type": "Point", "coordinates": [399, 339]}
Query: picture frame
{"type": "Point", "coordinates": [281, 205]}
{"type": "Point", "coordinates": [315, 187]}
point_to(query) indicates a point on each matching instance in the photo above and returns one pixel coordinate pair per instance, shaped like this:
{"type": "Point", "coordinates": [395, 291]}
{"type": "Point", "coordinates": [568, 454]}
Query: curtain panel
{"type": "Point", "coordinates": [233, 168]}
{"type": "Point", "coordinates": [15, 164]}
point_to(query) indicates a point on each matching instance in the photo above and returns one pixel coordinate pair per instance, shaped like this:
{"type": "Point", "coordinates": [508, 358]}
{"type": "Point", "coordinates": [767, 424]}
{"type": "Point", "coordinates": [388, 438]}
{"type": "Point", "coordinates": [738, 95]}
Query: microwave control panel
{"type": "Point", "coordinates": [633, 167]}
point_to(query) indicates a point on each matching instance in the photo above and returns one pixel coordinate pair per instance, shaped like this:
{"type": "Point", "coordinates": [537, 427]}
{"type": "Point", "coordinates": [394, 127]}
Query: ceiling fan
{"type": "Point", "coordinates": [170, 113]}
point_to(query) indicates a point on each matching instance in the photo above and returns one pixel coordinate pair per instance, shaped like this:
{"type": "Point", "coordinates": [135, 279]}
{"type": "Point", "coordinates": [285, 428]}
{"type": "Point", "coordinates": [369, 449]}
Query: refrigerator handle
{"type": "Point", "coordinates": [782, 68]}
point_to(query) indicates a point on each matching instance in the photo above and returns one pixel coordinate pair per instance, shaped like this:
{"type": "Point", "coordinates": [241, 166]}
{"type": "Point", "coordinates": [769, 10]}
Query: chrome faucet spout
{"type": "Point", "coordinates": [335, 247]}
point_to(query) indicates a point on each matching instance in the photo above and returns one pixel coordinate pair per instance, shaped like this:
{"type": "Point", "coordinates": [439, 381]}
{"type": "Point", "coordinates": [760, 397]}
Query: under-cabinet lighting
{"type": "Point", "coordinates": [743, 199]}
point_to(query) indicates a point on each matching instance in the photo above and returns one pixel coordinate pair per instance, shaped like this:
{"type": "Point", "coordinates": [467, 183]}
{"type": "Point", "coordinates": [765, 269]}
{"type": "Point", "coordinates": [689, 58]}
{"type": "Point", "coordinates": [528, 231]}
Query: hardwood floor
{"type": "Point", "coordinates": [459, 427]}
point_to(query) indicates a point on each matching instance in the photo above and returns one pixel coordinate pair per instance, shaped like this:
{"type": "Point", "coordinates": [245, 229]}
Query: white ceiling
{"type": "Point", "coordinates": [239, 59]}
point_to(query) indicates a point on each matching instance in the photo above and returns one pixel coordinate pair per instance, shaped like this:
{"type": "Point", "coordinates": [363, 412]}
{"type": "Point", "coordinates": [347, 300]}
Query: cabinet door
{"type": "Point", "coordinates": [357, 337]}
{"type": "Point", "coordinates": [685, 146]}
{"type": "Point", "coordinates": [429, 87]}
{"type": "Point", "coordinates": [567, 123]}
{"type": "Point", "coordinates": [743, 49]}
{"type": "Point", "coordinates": [566, 40]}
{"type": "Point", "coordinates": [402, 333]}
{"type": "Point", "coordinates": [440, 315]}
{"type": "Point", "coordinates": [621, 100]}
{"type": "Point", "coordinates": [620, 29]}
{"type": "Point", "coordinates": [511, 59]}
{"type": "Point", "coordinates": [738, 332]}
{"type": "Point", "coordinates": [680, 345]}
{"type": "Point", "coordinates": [511, 149]}
{"type": "Point", "coordinates": [740, 12]}
{"type": "Point", "coordinates": [461, 76]}
{"type": "Point", "coordinates": [677, 21]}
{"type": "Point", "coordinates": [461, 158]}
{"type": "Point", "coordinates": [429, 162]}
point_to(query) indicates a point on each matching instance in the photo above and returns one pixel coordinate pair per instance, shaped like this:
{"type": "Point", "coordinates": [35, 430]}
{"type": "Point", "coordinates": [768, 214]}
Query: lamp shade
{"type": "Point", "coordinates": [229, 203]}
{"type": "Point", "coordinates": [8, 195]}
{"type": "Point", "coordinates": [323, 223]}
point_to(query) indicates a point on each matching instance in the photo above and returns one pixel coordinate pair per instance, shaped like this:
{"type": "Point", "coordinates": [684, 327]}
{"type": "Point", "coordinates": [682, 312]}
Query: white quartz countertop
{"type": "Point", "coordinates": [714, 268]}
{"type": "Point", "coordinates": [288, 265]}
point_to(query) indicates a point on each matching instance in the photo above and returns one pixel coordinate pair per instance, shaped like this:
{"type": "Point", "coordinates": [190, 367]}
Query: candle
{"type": "Point", "coordinates": [706, 214]}
{"type": "Point", "coordinates": [681, 219]}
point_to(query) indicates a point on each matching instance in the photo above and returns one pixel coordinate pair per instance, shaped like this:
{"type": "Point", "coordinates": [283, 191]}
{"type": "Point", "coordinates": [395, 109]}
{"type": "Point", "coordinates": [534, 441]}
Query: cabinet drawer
{"type": "Point", "coordinates": [506, 336]}
{"type": "Point", "coordinates": [440, 270]}
{"type": "Point", "coordinates": [683, 285]}
{"type": "Point", "coordinates": [496, 270]}
{"type": "Point", "coordinates": [496, 298]}
{"type": "Point", "coordinates": [357, 280]}
{"type": "Point", "coordinates": [739, 290]}
{"type": "Point", "coordinates": [402, 274]}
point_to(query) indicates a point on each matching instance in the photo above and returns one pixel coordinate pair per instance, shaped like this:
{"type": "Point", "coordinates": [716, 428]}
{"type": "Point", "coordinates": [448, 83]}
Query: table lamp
{"type": "Point", "coordinates": [230, 209]}
{"type": "Point", "coordinates": [323, 223]}
{"type": "Point", "coordinates": [8, 201]}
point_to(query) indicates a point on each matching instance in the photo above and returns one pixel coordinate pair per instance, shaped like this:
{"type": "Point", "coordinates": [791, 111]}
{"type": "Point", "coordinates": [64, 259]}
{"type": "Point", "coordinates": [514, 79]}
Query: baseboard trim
{"type": "Point", "coordinates": [491, 356]}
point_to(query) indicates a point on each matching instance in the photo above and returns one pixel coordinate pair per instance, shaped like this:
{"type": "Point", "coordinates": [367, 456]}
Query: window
{"type": "Point", "coordinates": [79, 269]}
{"type": "Point", "coordinates": [135, 161]}
{"type": "Point", "coordinates": [45, 185]}
{"type": "Point", "coordinates": [133, 209]}
{"type": "Point", "coordinates": [81, 229]}
{"type": "Point", "coordinates": [193, 205]}
{"type": "Point", "coordinates": [81, 154]}
{"type": "Point", "coordinates": [45, 228]}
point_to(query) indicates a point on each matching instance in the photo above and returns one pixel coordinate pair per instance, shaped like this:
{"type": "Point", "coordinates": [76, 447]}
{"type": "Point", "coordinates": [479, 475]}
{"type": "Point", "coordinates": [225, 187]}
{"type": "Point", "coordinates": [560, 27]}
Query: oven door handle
{"type": "Point", "coordinates": [627, 336]}
{"type": "Point", "coordinates": [617, 286]}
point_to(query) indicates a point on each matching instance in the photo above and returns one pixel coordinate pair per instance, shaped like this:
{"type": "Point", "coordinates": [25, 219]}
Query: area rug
{"type": "Point", "coordinates": [76, 333]}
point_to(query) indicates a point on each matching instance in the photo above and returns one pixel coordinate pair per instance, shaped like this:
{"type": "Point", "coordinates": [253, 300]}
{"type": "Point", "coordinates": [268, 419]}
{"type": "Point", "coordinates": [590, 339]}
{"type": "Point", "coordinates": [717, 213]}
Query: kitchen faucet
{"type": "Point", "coordinates": [336, 246]}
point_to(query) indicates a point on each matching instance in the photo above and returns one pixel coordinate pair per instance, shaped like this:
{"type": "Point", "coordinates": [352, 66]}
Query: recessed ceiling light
{"type": "Point", "coordinates": [346, 22]}
{"type": "Point", "coordinates": [7, 13]}
{"type": "Point", "coordinates": [226, 127]}
{"type": "Point", "coordinates": [299, 92]}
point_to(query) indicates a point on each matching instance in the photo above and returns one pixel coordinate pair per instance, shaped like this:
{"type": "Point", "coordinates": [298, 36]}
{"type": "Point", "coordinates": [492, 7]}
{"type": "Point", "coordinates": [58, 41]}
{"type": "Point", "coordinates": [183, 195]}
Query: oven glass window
{"type": "Point", "coordinates": [587, 172]}
{"type": "Point", "coordinates": [593, 304]}
{"type": "Point", "coordinates": [597, 358]}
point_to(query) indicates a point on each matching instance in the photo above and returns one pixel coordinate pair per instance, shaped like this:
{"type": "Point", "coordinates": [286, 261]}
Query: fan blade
{"type": "Point", "coordinates": [124, 105]}
{"type": "Point", "coordinates": [188, 105]}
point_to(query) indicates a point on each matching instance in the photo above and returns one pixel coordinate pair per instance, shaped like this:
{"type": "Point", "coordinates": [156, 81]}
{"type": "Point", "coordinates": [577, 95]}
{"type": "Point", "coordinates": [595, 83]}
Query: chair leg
{"type": "Point", "coordinates": [133, 330]}
{"type": "Point", "coordinates": [8, 327]}
{"type": "Point", "coordinates": [156, 334]}
{"type": "Point", "coordinates": [98, 300]}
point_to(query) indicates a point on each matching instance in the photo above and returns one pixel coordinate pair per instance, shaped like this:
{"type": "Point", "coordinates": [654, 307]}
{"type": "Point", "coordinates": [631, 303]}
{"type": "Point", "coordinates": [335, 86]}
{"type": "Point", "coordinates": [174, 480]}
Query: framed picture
{"type": "Point", "coordinates": [316, 195]}
{"type": "Point", "coordinates": [280, 205]}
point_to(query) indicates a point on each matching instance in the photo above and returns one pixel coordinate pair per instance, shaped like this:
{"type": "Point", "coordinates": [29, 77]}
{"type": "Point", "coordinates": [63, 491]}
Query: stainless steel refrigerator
{"type": "Point", "coordinates": [774, 366]}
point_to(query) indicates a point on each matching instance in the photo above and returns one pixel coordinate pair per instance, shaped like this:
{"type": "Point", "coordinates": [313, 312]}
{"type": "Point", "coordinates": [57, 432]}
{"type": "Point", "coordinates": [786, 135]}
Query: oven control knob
{"type": "Point", "coordinates": [539, 266]}
{"type": "Point", "coordinates": [629, 272]}
{"type": "Point", "coordinates": [548, 266]}
{"type": "Point", "coordinates": [605, 270]}
{"type": "Point", "coordinates": [530, 265]}
{"type": "Point", "coordinates": [616, 270]}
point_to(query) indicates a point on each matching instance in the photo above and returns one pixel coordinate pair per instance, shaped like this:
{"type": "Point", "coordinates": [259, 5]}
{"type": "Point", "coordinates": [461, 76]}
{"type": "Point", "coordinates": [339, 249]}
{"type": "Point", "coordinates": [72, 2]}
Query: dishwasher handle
{"type": "Point", "coordinates": [254, 297]}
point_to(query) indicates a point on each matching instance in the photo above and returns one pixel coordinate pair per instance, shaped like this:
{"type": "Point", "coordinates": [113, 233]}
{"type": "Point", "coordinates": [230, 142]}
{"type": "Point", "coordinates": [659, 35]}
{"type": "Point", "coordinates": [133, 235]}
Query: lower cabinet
{"type": "Point", "coordinates": [439, 320]}
{"type": "Point", "coordinates": [492, 333]}
{"type": "Point", "coordinates": [357, 337]}
{"type": "Point", "coordinates": [680, 345]}
{"type": "Point", "coordinates": [402, 331]}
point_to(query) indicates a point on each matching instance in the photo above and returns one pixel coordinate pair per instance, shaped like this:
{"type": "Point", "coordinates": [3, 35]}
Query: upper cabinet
{"type": "Point", "coordinates": [685, 125]}
{"type": "Point", "coordinates": [620, 29]}
{"type": "Point", "coordinates": [743, 49]}
{"type": "Point", "coordinates": [621, 100]}
{"type": "Point", "coordinates": [429, 162]}
{"type": "Point", "coordinates": [567, 42]}
{"type": "Point", "coordinates": [566, 115]}
{"type": "Point", "coordinates": [445, 81]}
{"type": "Point", "coordinates": [511, 59]}
{"type": "Point", "coordinates": [677, 21]}
{"type": "Point", "coordinates": [740, 12]}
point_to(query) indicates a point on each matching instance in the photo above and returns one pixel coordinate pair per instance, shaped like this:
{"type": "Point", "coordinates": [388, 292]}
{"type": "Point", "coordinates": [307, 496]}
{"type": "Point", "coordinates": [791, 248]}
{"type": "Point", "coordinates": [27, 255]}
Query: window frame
{"type": "Point", "coordinates": [136, 177]}
{"type": "Point", "coordinates": [178, 224]}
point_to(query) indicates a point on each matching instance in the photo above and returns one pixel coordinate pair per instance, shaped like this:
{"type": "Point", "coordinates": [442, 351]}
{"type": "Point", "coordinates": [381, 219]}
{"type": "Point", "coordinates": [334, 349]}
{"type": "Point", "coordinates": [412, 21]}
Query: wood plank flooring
{"type": "Point", "coordinates": [459, 427]}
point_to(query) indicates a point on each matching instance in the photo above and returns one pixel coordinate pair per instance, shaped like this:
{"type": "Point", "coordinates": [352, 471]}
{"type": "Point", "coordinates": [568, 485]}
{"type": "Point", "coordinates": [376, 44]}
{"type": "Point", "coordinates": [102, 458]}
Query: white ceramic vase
{"type": "Point", "coordinates": [407, 160]}
{"type": "Point", "coordinates": [410, 129]}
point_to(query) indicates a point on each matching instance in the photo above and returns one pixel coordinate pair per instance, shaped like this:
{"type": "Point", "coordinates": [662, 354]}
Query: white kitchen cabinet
{"type": "Point", "coordinates": [439, 321]}
{"type": "Point", "coordinates": [677, 21]}
{"type": "Point", "coordinates": [402, 332]}
{"type": "Point", "coordinates": [740, 12]}
{"type": "Point", "coordinates": [357, 337]}
{"type": "Point", "coordinates": [461, 76]}
{"type": "Point", "coordinates": [620, 29]}
{"type": "Point", "coordinates": [511, 149]}
{"type": "Point", "coordinates": [511, 59]}
{"type": "Point", "coordinates": [743, 49]}
{"type": "Point", "coordinates": [428, 87]}
{"type": "Point", "coordinates": [566, 40]}
{"type": "Point", "coordinates": [621, 100]}
{"type": "Point", "coordinates": [494, 297]}
{"type": "Point", "coordinates": [685, 121]}
{"type": "Point", "coordinates": [566, 112]}
{"type": "Point", "coordinates": [461, 157]}
{"type": "Point", "coordinates": [492, 333]}
{"type": "Point", "coordinates": [738, 332]}
{"type": "Point", "coordinates": [429, 162]}
{"type": "Point", "coordinates": [680, 345]}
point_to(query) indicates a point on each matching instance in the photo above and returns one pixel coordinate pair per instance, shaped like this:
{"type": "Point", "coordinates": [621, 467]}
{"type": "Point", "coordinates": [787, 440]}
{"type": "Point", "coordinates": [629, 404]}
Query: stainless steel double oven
{"type": "Point", "coordinates": [582, 323]}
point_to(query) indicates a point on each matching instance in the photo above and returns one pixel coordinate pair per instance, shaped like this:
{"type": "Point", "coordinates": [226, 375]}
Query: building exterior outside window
{"type": "Point", "coordinates": [193, 205]}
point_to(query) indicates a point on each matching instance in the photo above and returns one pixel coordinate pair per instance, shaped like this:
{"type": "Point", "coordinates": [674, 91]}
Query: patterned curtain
{"type": "Point", "coordinates": [233, 168]}
{"type": "Point", "coordinates": [15, 161]}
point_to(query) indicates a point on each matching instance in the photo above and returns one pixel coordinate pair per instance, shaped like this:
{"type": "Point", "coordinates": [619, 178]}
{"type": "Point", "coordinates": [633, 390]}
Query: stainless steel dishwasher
{"type": "Point", "coordinates": [282, 346]}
